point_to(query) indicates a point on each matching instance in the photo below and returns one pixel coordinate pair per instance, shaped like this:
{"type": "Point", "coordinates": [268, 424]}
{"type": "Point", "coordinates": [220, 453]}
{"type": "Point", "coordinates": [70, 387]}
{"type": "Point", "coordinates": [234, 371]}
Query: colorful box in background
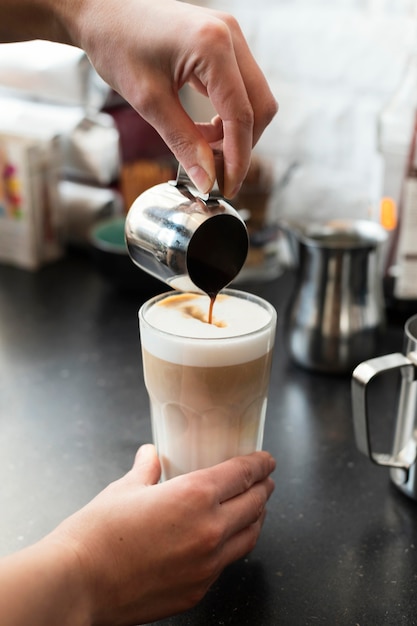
{"type": "Point", "coordinates": [30, 228]}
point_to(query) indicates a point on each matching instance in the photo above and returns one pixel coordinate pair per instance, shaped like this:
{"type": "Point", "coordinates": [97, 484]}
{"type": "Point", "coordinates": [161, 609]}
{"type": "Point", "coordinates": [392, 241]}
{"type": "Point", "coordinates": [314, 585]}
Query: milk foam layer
{"type": "Point", "coordinates": [243, 330]}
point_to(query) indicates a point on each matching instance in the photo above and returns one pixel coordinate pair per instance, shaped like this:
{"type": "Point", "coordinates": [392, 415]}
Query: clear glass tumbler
{"type": "Point", "coordinates": [207, 383]}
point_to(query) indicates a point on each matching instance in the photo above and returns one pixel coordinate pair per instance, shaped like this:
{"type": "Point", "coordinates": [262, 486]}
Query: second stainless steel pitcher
{"type": "Point", "coordinates": [337, 311]}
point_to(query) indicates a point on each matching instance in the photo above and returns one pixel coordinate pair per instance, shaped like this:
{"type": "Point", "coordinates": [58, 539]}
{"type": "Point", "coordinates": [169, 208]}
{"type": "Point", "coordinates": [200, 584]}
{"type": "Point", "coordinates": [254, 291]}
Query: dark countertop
{"type": "Point", "coordinates": [339, 545]}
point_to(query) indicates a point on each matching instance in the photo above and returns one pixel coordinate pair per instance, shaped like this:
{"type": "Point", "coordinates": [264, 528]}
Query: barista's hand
{"type": "Point", "coordinates": [149, 550]}
{"type": "Point", "coordinates": [140, 550]}
{"type": "Point", "coordinates": [148, 49]}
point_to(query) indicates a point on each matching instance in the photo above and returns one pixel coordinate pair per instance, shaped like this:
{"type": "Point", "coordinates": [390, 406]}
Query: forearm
{"type": "Point", "coordinates": [22, 20]}
{"type": "Point", "coordinates": [42, 585]}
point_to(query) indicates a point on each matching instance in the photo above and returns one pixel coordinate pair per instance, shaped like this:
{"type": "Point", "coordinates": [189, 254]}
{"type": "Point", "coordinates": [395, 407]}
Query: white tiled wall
{"type": "Point", "coordinates": [332, 64]}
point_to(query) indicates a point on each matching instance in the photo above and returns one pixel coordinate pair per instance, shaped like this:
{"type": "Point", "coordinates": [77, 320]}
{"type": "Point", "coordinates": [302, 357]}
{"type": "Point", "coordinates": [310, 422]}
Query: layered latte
{"type": "Point", "coordinates": [207, 383]}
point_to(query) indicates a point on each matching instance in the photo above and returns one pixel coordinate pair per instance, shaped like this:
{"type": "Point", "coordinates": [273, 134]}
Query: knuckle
{"type": "Point", "coordinates": [258, 503]}
{"type": "Point", "coordinates": [202, 497]}
{"type": "Point", "coordinates": [230, 21]}
{"type": "Point", "coordinates": [195, 595]}
{"type": "Point", "coordinates": [213, 538]}
{"type": "Point", "coordinates": [143, 100]}
{"type": "Point", "coordinates": [246, 474]}
{"type": "Point", "coordinates": [247, 117]}
{"type": "Point", "coordinates": [203, 580]}
{"type": "Point", "coordinates": [179, 144]}
{"type": "Point", "coordinates": [182, 145]}
{"type": "Point", "coordinates": [214, 30]}
{"type": "Point", "coordinates": [270, 109]}
{"type": "Point", "coordinates": [201, 503]}
{"type": "Point", "coordinates": [252, 536]}
{"type": "Point", "coordinates": [208, 571]}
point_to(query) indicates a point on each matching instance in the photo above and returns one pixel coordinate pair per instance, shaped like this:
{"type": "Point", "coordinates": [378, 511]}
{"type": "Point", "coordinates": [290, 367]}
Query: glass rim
{"type": "Point", "coordinates": [244, 295]}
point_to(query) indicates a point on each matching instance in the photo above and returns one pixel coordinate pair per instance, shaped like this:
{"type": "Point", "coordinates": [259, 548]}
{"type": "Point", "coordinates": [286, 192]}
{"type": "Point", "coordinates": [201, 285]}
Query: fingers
{"type": "Point", "coordinates": [242, 98]}
{"type": "Point", "coordinates": [243, 493]}
{"type": "Point", "coordinates": [215, 58]}
{"type": "Point", "coordinates": [244, 515]}
{"type": "Point", "coordinates": [243, 542]}
{"type": "Point", "coordinates": [263, 102]}
{"type": "Point", "coordinates": [225, 86]}
{"type": "Point", "coordinates": [182, 136]}
{"type": "Point", "coordinates": [235, 476]}
{"type": "Point", "coordinates": [245, 510]}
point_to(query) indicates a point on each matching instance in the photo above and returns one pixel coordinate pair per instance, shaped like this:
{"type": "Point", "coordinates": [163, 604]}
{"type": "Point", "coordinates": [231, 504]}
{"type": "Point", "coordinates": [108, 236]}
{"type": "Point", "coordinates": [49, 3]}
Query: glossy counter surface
{"type": "Point", "coordinates": [339, 545]}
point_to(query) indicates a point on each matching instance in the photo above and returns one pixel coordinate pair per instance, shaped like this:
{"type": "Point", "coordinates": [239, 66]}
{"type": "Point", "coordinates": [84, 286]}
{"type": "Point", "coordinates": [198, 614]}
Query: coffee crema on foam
{"type": "Point", "coordinates": [185, 315]}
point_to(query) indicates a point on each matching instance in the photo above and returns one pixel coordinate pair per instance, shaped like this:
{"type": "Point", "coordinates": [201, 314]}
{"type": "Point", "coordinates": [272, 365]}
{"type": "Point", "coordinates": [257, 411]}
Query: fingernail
{"type": "Point", "coordinates": [200, 178]}
{"type": "Point", "coordinates": [202, 173]}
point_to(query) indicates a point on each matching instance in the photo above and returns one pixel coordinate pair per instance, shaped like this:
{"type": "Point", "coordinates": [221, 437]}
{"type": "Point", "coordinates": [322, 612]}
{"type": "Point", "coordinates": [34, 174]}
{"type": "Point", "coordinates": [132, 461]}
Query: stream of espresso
{"type": "Point", "coordinates": [210, 278]}
{"type": "Point", "coordinates": [210, 313]}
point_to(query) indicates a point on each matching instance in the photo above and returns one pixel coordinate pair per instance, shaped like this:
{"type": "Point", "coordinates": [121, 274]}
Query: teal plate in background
{"type": "Point", "coordinates": [112, 260]}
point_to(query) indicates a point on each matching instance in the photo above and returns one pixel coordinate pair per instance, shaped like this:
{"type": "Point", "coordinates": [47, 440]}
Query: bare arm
{"type": "Point", "coordinates": [42, 585]}
{"type": "Point", "coordinates": [147, 50]}
{"type": "Point", "coordinates": [139, 551]}
{"type": "Point", "coordinates": [22, 20]}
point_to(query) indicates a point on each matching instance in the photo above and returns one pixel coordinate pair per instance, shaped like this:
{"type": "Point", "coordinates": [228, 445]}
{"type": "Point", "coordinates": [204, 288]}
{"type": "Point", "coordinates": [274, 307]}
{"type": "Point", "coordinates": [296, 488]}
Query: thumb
{"type": "Point", "coordinates": [146, 467]}
{"type": "Point", "coordinates": [187, 142]}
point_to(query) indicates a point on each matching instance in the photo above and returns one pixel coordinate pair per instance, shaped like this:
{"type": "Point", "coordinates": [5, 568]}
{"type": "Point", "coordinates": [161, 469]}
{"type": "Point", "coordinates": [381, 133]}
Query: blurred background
{"type": "Point", "coordinates": [73, 153]}
{"type": "Point", "coordinates": [332, 65]}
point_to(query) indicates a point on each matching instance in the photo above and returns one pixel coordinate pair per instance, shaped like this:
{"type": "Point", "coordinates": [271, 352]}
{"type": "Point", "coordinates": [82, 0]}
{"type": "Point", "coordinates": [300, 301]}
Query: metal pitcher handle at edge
{"type": "Point", "coordinates": [362, 375]}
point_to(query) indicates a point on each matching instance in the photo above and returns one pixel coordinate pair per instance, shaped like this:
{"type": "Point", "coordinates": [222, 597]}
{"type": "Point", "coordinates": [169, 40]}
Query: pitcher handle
{"type": "Point", "coordinates": [184, 182]}
{"type": "Point", "coordinates": [362, 375]}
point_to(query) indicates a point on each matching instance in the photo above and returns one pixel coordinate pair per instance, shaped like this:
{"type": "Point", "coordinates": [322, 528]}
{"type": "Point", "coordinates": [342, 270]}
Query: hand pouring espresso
{"type": "Point", "coordinates": [195, 243]}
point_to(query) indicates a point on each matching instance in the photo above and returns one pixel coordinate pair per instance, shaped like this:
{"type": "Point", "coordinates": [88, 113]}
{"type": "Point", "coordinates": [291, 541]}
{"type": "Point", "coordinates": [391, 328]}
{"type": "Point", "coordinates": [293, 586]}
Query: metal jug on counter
{"type": "Point", "coordinates": [336, 311]}
{"type": "Point", "coordinates": [193, 242]}
{"type": "Point", "coordinates": [403, 458]}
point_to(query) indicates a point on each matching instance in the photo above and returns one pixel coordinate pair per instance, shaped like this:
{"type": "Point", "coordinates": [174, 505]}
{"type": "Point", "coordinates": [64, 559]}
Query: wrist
{"type": "Point", "coordinates": [43, 584]}
{"type": "Point", "coordinates": [68, 582]}
{"type": "Point", "coordinates": [63, 18]}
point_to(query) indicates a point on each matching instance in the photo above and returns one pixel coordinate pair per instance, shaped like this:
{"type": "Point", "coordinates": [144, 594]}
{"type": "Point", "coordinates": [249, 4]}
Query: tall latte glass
{"type": "Point", "coordinates": [207, 383]}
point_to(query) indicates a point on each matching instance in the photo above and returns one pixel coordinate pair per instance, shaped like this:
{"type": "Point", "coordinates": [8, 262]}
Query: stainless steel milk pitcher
{"type": "Point", "coordinates": [193, 242]}
{"type": "Point", "coordinates": [402, 459]}
{"type": "Point", "coordinates": [336, 311]}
